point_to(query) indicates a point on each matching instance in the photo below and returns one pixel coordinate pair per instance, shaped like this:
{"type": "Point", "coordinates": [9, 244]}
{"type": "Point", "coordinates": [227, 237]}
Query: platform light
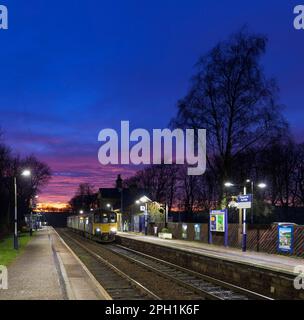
{"type": "Point", "coordinates": [137, 202]}
{"type": "Point", "coordinates": [228, 184]}
{"type": "Point", "coordinates": [262, 185]}
{"type": "Point", "coordinates": [81, 211]}
{"type": "Point", "coordinates": [26, 173]}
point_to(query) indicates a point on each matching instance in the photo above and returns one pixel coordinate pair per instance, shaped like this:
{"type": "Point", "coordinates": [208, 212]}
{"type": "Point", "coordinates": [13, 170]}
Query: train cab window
{"type": "Point", "coordinates": [105, 218]}
{"type": "Point", "coordinates": [97, 218]}
{"type": "Point", "coordinates": [112, 217]}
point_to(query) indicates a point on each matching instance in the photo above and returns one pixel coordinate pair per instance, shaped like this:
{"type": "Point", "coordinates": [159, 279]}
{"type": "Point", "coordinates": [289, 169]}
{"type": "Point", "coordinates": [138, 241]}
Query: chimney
{"type": "Point", "coordinates": [119, 182]}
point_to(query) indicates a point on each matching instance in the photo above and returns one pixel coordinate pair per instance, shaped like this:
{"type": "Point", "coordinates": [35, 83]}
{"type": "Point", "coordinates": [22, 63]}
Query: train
{"type": "Point", "coordinates": [99, 225]}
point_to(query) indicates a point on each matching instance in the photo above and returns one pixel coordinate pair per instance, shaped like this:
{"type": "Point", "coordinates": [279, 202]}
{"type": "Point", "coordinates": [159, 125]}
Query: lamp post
{"type": "Point", "coordinates": [244, 238]}
{"type": "Point", "coordinates": [25, 173]}
{"type": "Point", "coordinates": [244, 222]}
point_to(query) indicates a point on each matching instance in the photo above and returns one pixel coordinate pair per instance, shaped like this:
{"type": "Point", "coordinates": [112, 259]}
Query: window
{"type": "Point", "coordinates": [97, 218]}
{"type": "Point", "coordinates": [112, 217]}
{"type": "Point", "coordinates": [105, 218]}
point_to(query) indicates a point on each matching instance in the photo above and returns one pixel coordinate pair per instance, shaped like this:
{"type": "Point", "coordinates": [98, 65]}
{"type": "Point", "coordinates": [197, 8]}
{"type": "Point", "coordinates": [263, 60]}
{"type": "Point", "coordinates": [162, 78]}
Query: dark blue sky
{"type": "Point", "coordinates": [70, 68]}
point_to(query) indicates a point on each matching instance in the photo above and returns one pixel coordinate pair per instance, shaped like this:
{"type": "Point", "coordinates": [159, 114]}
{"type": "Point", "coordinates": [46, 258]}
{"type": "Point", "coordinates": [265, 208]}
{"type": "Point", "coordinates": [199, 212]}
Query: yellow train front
{"type": "Point", "coordinates": [99, 225]}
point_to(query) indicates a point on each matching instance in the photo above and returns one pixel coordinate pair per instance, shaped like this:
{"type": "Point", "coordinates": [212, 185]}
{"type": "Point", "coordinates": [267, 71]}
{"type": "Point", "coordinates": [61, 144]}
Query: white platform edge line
{"type": "Point", "coordinates": [67, 284]}
{"type": "Point", "coordinates": [70, 293]}
{"type": "Point", "coordinates": [99, 288]}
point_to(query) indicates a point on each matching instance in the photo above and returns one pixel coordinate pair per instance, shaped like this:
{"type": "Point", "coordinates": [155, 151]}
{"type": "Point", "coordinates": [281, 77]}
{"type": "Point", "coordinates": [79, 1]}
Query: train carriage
{"type": "Point", "coordinates": [99, 225]}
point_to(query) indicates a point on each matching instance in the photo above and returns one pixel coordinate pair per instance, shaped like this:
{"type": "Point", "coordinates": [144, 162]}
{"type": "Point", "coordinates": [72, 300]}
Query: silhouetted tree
{"type": "Point", "coordinates": [232, 98]}
{"type": "Point", "coordinates": [84, 199]}
{"type": "Point", "coordinates": [11, 166]}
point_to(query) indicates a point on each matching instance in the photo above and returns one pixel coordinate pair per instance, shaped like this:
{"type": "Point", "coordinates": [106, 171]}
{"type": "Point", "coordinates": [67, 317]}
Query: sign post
{"type": "Point", "coordinates": [218, 222]}
{"type": "Point", "coordinates": [244, 202]}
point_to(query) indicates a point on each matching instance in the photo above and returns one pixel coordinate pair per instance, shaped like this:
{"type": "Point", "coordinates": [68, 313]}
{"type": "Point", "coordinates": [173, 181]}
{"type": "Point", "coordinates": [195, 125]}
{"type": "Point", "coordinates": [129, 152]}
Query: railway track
{"type": "Point", "coordinates": [195, 285]}
{"type": "Point", "coordinates": [210, 287]}
{"type": "Point", "coordinates": [119, 285]}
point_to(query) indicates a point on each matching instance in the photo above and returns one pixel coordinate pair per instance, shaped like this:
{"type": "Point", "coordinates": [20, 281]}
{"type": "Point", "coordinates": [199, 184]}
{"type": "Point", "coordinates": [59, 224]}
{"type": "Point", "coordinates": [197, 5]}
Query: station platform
{"type": "Point", "coordinates": [49, 270]}
{"type": "Point", "coordinates": [271, 262]}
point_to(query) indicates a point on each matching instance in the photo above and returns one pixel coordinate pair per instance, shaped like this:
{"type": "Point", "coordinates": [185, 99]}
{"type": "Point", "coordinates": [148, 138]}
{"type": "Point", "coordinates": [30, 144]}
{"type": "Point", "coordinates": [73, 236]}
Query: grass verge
{"type": "Point", "coordinates": [7, 251]}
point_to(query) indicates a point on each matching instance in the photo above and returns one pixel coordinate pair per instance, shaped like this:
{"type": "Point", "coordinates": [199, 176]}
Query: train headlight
{"type": "Point", "coordinates": [97, 230]}
{"type": "Point", "coordinates": [113, 230]}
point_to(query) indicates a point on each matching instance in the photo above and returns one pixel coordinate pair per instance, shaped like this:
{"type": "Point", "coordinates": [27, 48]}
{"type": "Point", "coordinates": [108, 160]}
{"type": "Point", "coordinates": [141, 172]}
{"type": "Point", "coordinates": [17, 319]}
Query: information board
{"type": "Point", "coordinates": [217, 220]}
{"type": "Point", "coordinates": [285, 238]}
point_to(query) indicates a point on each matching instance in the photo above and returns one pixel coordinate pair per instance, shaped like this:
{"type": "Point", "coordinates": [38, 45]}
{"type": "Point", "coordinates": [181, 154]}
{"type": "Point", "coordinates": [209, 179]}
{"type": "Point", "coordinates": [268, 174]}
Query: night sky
{"type": "Point", "coordinates": [70, 68]}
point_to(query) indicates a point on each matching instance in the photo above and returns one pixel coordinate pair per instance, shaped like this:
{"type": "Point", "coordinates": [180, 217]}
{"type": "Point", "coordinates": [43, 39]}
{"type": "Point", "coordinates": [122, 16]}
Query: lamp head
{"type": "Point", "coordinates": [26, 173]}
{"type": "Point", "coordinates": [228, 184]}
{"type": "Point", "coordinates": [262, 185]}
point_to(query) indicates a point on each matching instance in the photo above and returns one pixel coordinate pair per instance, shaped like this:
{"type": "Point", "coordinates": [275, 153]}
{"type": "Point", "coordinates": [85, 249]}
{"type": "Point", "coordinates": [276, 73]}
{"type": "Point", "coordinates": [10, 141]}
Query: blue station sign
{"type": "Point", "coordinates": [244, 201]}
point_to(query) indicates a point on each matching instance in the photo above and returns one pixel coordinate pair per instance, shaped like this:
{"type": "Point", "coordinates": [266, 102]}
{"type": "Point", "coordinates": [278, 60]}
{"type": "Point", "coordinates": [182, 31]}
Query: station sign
{"type": "Point", "coordinates": [285, 238]}
{"type": "Point", "coordinates": [142, 208]}
{"type": "Point", "coordinates": [244, 201]}
{"type": "Point", "coordinates": [217, 220]}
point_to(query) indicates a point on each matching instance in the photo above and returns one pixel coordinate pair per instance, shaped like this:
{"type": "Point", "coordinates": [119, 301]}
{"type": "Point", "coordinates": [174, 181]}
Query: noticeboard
{"type": "Point", "coordinates": [217, 220]}
{"type": "Point", "coordinates": [285, 238]}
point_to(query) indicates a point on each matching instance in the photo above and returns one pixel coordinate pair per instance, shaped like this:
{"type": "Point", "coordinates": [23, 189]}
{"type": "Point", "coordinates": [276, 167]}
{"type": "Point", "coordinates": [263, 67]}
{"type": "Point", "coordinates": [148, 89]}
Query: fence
{"type": "Point", "coordinates": [261, 238]}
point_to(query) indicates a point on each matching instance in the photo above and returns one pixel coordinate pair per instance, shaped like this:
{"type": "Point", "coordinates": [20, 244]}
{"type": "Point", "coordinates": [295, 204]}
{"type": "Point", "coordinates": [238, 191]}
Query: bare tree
{"type": "Point", "coordinates": [233, 100]}
{"type": "Point", "coordinates": [12, 166]}
{"type": "Point", "coordinates": [299, 177]}
{"type": "Point", "coordinates": [84, 198]}
{"type": "Point", "coordinates": [160, 181]}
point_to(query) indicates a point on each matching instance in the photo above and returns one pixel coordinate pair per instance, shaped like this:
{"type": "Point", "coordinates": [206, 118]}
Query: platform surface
{"type": "Point", "coordinates": [48, 270]}
{"type": "Point", "coordinates": [274, 262]}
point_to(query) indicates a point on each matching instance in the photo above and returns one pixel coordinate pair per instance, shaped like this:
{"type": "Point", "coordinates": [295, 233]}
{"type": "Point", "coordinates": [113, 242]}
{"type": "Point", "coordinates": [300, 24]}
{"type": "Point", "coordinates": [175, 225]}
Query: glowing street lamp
{"type": "Point", "coordinates": [24, 173]}
{"type": "Point", "coordinates": [228, 184]}
{"type": "Point", "coordinates": [262, 185]}
{"type": "Point", "coordinates": [81, 211]}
